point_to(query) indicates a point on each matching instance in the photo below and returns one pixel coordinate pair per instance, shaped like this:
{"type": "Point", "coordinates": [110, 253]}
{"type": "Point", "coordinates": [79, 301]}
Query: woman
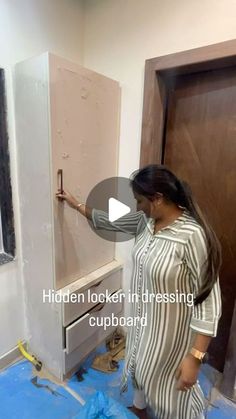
{"type": "Point", "coordinates": [177, 253]}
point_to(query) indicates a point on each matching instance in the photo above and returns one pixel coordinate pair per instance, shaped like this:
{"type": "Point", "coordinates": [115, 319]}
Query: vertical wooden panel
{"type": "Point", "coordinates": [33, 139]}
{"type": "Point", "coordinates": [152, 126]}
{"type": "Point", "coordinates": [84, 134]}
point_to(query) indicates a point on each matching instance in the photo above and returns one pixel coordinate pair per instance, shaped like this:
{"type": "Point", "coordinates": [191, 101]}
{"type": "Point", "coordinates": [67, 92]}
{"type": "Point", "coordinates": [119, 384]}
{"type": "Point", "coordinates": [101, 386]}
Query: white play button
{"type": "Point", "coordinates": [115, 197]}
{"type": "Point", "coordinates": [116, 209]}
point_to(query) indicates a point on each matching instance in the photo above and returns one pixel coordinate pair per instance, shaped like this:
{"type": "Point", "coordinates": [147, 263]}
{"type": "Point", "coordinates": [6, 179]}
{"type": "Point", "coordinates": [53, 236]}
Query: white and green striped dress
{"type": "Point", "coordinates": [167, 262]}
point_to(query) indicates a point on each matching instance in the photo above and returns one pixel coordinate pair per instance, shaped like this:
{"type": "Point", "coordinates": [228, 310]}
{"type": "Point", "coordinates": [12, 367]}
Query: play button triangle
{"type": "Point", "coordinates": [116, 209]}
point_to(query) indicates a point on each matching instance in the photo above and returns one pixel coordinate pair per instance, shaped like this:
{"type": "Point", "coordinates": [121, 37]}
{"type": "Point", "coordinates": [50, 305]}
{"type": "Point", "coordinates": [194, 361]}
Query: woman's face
{"type": "Point", "coordinates": [143, 204]}
{"type": "Point", "coordinates": [150, 208]}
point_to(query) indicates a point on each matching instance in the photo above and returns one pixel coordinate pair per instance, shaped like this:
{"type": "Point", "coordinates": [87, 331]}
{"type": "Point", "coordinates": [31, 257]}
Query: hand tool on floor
{"type": "Point", "coordinates": [31, 358]}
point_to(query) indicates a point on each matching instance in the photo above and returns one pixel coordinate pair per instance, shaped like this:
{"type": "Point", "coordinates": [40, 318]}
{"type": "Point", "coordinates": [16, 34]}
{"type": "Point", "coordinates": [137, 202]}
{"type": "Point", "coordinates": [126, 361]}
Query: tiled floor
{"type": "Point", "coordinates": [20, 398]}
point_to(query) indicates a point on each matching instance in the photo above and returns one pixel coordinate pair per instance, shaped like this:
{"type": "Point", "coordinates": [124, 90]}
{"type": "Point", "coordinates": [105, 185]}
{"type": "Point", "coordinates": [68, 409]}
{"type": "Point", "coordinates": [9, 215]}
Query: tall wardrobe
{"type": "Point", "coordinates": [67, 129]}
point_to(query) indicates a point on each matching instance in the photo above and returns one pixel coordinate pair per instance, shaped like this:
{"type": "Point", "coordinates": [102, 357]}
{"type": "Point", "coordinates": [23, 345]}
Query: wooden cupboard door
{"type": "Point", "coordinates": [84, 134]}
{"type": "Point", "coordinates": [200, 147]}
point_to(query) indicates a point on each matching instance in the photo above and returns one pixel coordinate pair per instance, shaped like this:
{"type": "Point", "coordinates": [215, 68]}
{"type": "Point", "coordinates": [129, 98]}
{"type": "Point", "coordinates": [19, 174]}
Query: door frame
{"type": "Point", "coordinates": [157, 73]}
{"type": "Point", "coordinates": [227, 386]}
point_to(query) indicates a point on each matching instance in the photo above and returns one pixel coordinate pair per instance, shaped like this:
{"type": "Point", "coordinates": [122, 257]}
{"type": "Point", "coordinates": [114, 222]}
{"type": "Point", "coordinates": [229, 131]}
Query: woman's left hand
{"type": "Point", "coordinates": [187, 373]}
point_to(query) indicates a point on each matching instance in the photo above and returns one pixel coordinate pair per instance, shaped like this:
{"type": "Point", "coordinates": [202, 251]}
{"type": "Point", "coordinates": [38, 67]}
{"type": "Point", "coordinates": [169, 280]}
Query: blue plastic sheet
{"type": "Point", "coordinates": [100, 406]}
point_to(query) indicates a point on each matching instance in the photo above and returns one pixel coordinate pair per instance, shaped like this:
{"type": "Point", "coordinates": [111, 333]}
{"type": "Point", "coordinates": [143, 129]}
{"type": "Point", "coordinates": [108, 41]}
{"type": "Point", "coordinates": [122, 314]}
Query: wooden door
{"type": "Point", "coordinates": [200, 147]}
{"type": "Point", "coordinates": [189, 123]}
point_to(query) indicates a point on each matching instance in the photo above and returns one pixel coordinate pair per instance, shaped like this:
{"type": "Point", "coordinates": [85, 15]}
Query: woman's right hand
{"type": "Point", "coordinates": [70, 199]}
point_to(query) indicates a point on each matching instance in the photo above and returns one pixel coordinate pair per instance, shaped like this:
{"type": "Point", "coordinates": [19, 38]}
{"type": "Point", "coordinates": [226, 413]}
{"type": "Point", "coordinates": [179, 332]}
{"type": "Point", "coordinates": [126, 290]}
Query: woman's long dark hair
{"type": "Point", "coordinates": [155, 178]}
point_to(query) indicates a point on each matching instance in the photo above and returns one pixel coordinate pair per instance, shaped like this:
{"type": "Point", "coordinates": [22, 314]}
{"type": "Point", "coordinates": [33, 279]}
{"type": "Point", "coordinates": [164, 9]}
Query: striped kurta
{"type": "Point", "coordinates": [168, 263]}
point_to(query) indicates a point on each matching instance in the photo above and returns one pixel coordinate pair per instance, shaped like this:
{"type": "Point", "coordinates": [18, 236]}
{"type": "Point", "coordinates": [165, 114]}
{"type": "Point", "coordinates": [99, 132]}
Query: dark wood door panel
{"type": "Point", "coordinates": [200, 147]}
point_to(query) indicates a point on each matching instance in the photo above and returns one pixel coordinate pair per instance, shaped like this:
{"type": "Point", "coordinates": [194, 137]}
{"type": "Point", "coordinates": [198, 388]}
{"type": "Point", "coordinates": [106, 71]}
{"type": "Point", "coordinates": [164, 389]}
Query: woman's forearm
{"type": "Point", "coordinates": [84, 210]}
{"type": "Point", "coordinates": [188, 370]}
{"type": "Point", "coordinates": [201, 342]}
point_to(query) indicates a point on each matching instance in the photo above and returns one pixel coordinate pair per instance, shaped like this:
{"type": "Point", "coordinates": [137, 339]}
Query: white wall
{"type": "Point", "coordinates": [121, 34]}
{"type": "Point", "coordinates": [28, 28]}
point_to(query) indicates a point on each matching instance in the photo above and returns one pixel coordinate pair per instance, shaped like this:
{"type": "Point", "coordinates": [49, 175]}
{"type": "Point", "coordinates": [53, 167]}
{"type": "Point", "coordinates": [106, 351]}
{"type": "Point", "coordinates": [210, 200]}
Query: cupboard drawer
{"type": "Point", "coordinates": [81, 330]}
{"type": "Point", "coordinates": [72, 360]}
{"type": "Point", "coordinates": [71, 311]}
